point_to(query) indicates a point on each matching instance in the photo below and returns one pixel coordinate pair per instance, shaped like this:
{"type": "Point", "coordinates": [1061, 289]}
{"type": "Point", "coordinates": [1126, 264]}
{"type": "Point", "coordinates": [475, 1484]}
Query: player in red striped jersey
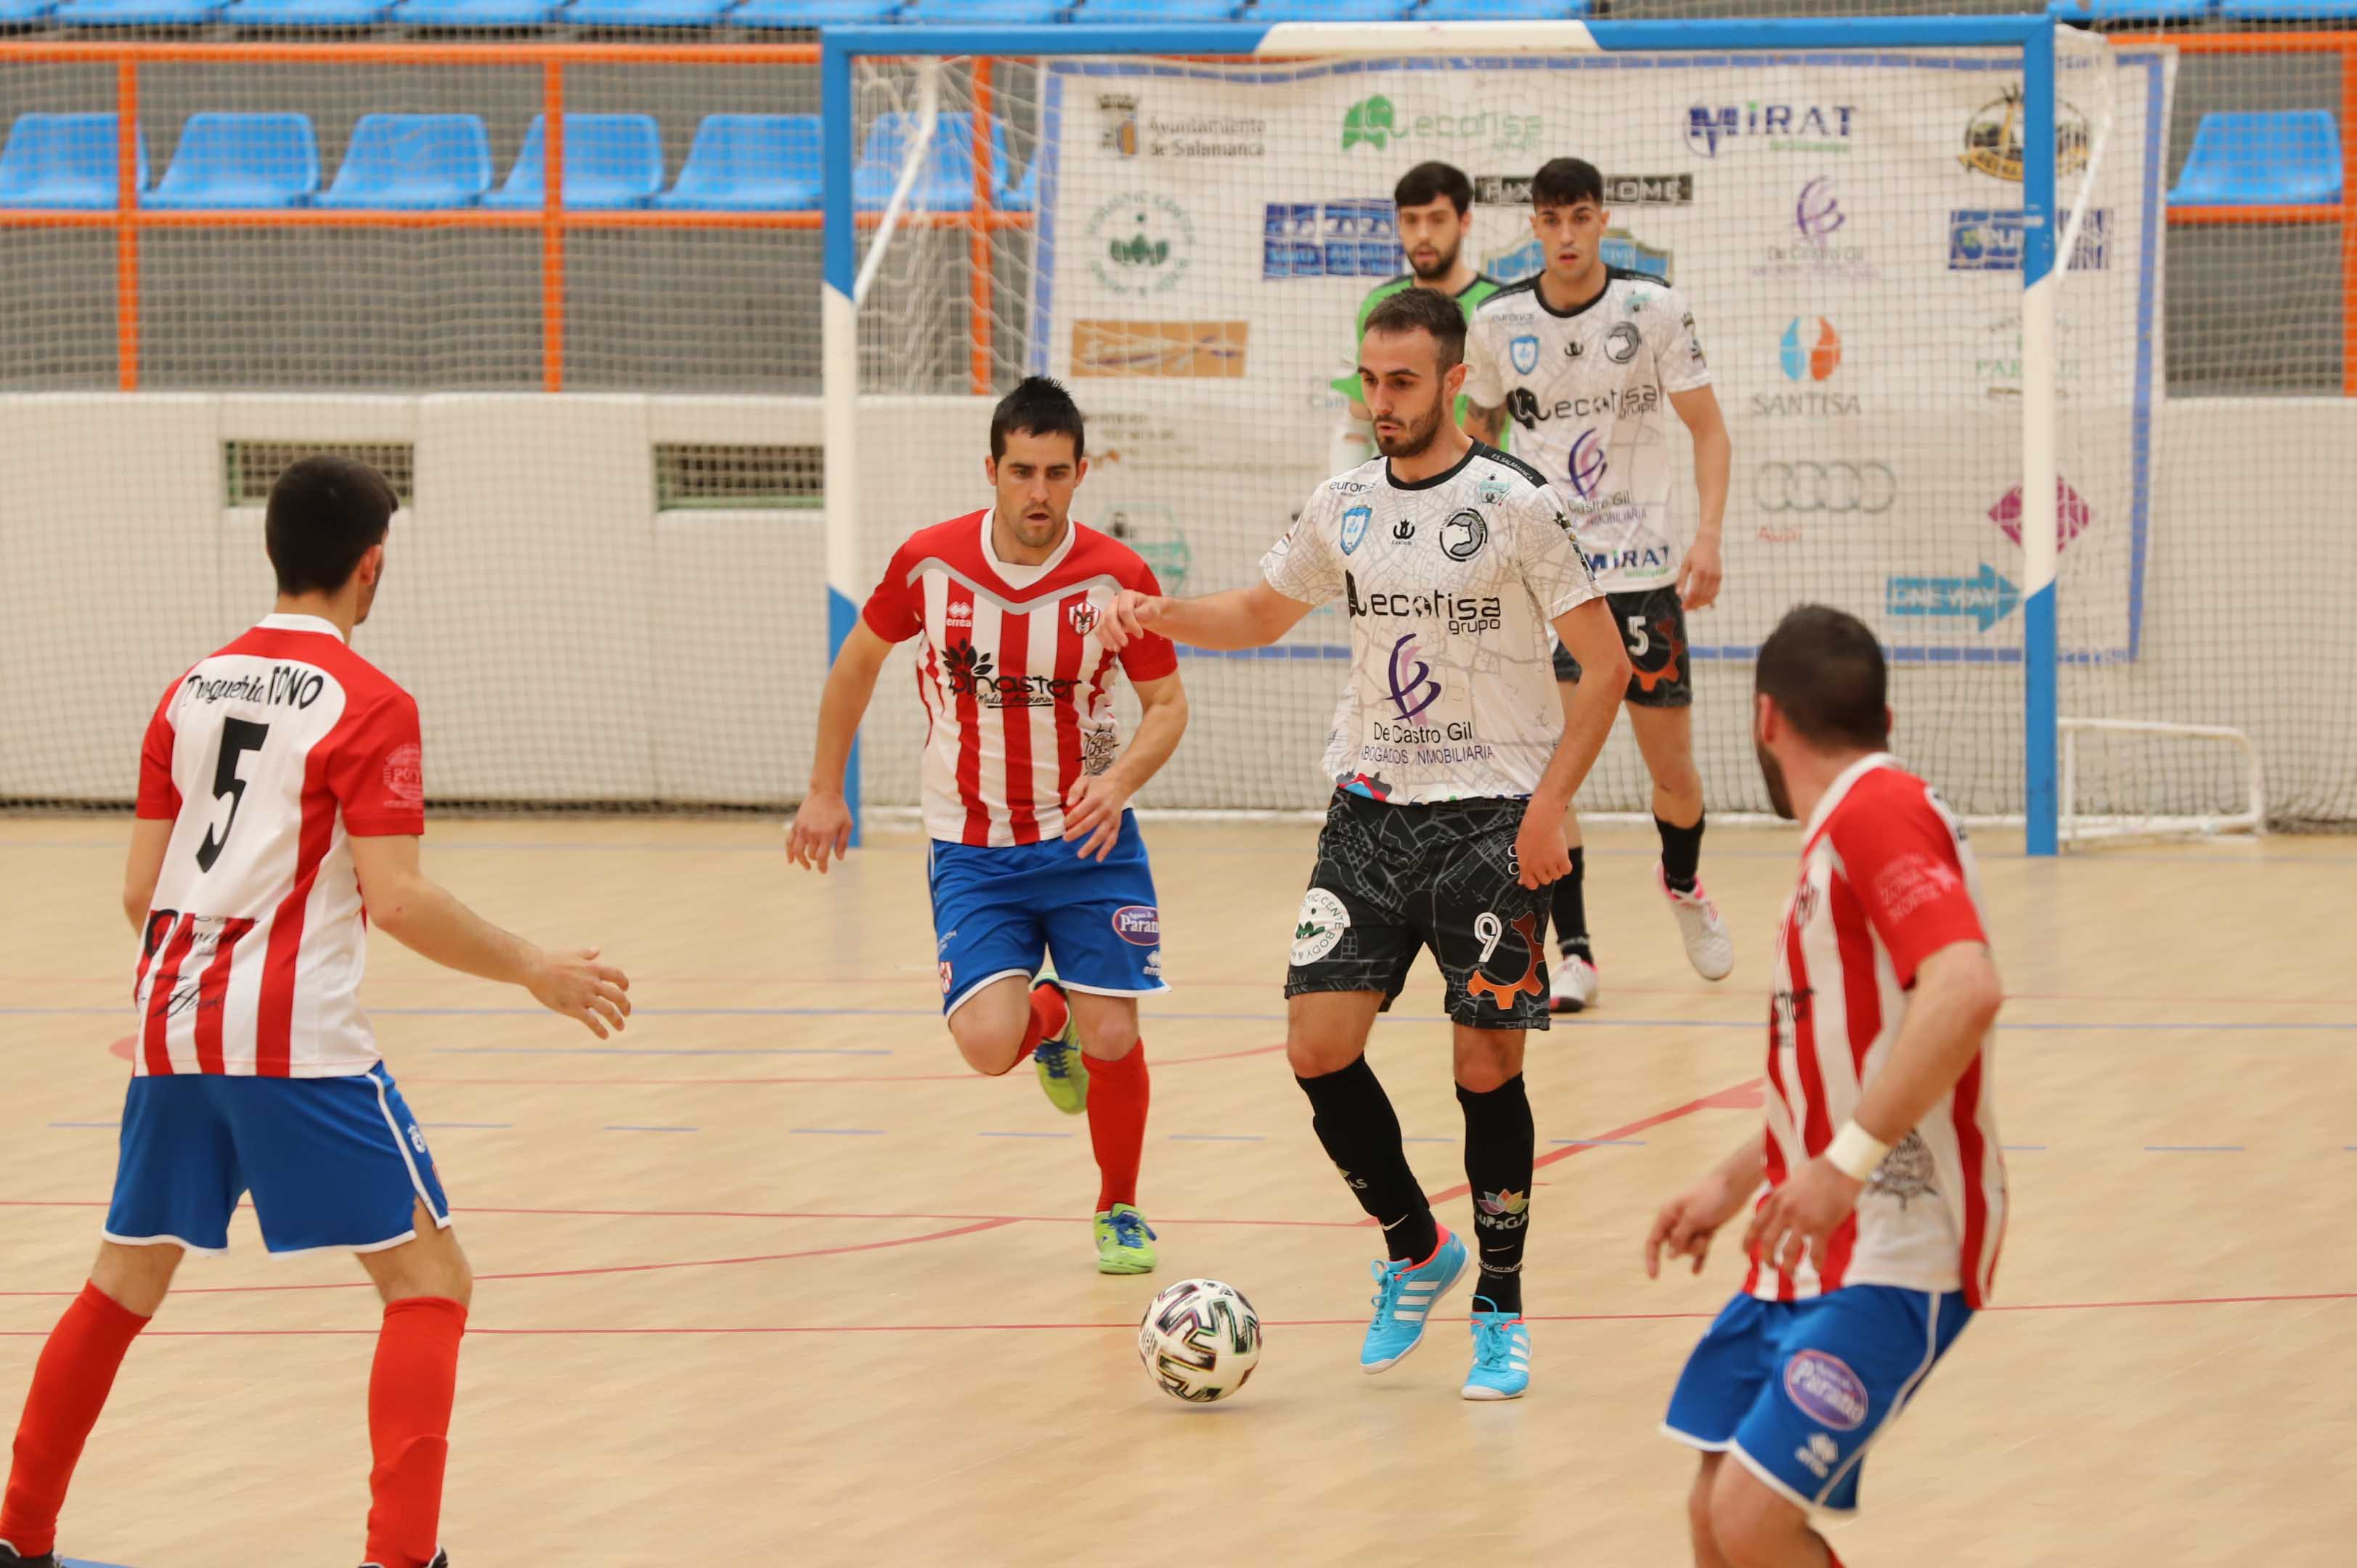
{"type": "Point", "coordinates": [1876, 1240]}
{"type": "Point", "coordinates": [1023, 762]}
{"type": "Point", "coordinates": [280, 804]}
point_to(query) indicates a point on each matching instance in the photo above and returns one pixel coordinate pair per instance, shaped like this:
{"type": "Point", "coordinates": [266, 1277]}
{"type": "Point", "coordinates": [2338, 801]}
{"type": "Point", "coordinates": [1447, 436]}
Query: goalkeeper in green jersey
{"type": "Point", "coordinates": [1436, 207]}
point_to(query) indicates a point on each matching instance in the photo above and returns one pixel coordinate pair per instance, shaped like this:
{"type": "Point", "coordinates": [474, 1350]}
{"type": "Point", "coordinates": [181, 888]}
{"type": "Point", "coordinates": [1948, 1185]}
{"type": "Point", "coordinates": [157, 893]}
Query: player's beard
{"type": "Point", "coordinates": [1780, 794]}
{"type": "Point", "coordinates": [1419, 436]}
{"type": "Point", "coordinates": [1441, 268]}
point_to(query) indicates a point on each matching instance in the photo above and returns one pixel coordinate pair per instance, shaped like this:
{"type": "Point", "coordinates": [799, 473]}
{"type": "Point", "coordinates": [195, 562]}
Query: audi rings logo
{"type": "Point", "coordinates": [1868, 486]}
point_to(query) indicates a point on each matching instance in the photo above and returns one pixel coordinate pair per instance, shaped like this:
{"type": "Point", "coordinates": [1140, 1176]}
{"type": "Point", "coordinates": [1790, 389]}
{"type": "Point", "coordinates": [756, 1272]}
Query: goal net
{"type": "Point", "coordinates": [1190, 238]}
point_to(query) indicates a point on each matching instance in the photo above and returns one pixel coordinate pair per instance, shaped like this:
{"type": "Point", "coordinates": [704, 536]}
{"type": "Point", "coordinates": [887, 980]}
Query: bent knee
{"type": "Point", "coordinates": [1316, 1055]}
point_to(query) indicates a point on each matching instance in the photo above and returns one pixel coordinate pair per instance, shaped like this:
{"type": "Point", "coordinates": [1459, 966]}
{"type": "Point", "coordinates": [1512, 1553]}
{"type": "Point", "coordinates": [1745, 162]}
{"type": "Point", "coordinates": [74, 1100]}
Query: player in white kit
{"type": "Point", "coordinates": [1453, 765]}
{"type": "Point", "coordinates": [281, 798]}
{"type": "Point", "coordinates": [1879, 1173]}
{"type": "Point", "coordinates": [1582, 356]}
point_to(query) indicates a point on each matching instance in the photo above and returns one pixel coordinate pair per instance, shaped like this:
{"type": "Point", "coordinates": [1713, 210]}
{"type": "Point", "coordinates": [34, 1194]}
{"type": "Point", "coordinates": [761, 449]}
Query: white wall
{"type": "Point", "coordinates": [569, 643]}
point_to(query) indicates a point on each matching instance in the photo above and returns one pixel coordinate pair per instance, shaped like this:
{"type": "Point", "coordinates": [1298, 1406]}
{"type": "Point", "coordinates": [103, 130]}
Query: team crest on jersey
{"type": "Point", "coordinates": [1462, 536]}
{"type": "Point", "coordinates": [405, 776]}
{"type": "Point", "coordinates": [1524, 351]}
{"type": "Point", "coordinates": [1084, 617]}
{"type": "Point", "coordinates": [1620, 344]}
{"type": "Point", "coordinates": [1355, 523]}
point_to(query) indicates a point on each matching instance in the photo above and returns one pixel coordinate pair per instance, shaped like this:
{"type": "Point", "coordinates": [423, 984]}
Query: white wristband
{"type": "Point", "coordinates": [1856, 1151]}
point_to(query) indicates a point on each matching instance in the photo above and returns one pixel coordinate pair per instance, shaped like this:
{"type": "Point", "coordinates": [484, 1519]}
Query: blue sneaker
{"type": "Point", "coordinates": [1502, 1355]}
{"type": "Point", "coordinates": [1404, 1296]}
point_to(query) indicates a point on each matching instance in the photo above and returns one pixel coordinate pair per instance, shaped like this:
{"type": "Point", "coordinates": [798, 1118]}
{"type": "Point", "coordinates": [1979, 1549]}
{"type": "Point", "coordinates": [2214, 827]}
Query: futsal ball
{"type": "Point", "coordinates": [1200, 1340]}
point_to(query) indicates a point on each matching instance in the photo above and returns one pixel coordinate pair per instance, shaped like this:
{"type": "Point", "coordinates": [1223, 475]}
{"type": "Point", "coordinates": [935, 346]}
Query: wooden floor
{"type": "Point", "coordinates": [773, 1280]}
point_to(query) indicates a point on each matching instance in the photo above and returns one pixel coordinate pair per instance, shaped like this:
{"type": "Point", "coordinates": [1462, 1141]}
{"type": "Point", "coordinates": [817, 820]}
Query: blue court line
{"type": "Point", "coordinates": [1216, 1137]}
{"type": "Point", "coordinates": [839, 1131]}
{"type": "Point", "coordinates": [1022, 1134]}
{"type": "Point", "coordinates": [86, 1563]}
{"type": "Point", "coordinates": [107, 1125]}
{"type": "Point", "coordinates": [487, 1126]}
{"type": "Point", "coordinates": [2193, 1148]}
{"type": "Point", "coordinates": [1598, 1142]}
{"type": "Point", "coordinates": [619, 1127]}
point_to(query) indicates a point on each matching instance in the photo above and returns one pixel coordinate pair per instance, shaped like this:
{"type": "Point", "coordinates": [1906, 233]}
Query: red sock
{"type": "Point", "coordinates": [1831, 1559]}
{"type": "Point", "coordinates": [1050, 1013]}
{"type": "Point", "coordinates": [70, 1387]}
{"type": "Point", "coordinates": [1117, 1095]}
{"type": "Point", "coordinates": [411, 1391]}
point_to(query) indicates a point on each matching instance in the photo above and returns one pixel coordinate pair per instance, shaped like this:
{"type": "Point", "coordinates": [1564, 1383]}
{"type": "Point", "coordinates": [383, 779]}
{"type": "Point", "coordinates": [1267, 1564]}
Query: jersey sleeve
{"type": "Point", "coordinates": [377, 771]}
{"type": "Point", "coordinates": [896, 610]}
{"type": "Point", "coordinates": [1555, 568]}
{"type": "Point", "coordinates": [1485, 383]}
{"type": "Point", "coordinates": [1299, 565]}
{"type": "Point", "coordinates": [1152, 656]}
{"type": "Point", "coordinates": [1900, 858]}
{"type": "Point", "coordinates": [159, 798]}
{"type": "Point", "coordinates": [1677, 350]}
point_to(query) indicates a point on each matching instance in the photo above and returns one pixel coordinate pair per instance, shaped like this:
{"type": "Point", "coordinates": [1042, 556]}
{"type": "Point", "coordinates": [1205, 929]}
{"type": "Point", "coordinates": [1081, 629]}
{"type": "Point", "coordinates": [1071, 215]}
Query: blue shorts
{"type": "Point", "coordinates": [331, 1162]}
{"type": "Point", "coordinates": [998, 910]}
{"type": "Point", "coordinates": [1799, 1390]}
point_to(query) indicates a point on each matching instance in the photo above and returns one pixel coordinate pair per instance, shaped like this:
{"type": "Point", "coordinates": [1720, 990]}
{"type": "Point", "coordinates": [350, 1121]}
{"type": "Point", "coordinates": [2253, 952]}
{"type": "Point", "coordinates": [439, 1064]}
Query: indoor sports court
{"type": "Point", "coordinates": [774, 1276]}
{"type": "Point", "coordinates": [663, 331]}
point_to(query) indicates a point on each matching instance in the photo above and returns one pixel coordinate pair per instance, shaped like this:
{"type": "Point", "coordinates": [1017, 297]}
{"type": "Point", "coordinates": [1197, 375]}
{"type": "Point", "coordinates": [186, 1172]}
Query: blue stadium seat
{"type": "Point", "coordinates": [62, 160]}
{"type": "Point", "coordinates": [305, 13]}
{"type": "Point", "coordinates": [1329, 11]}
{"type": "Point", "coordinates": [2262, 160]}
{"type": "Point", "coordinates": [241, 161]}
{"type": "Point", "coordinates": [413, 162]}
{"type": "Point", "coordinates": [2133, 10]}
{"type": "Point", "coordinates": [1135, 11]}
{"type": "Point", "coordinates": [996, 13]}
{"type": "Point", "coordinates": [139, 13]}
{"type": "Point", "coordinates": [610, 160]}
{"type": "Point", "coordinates": [946, 184]}
{"type": "Point", "coordinates": [812, 13]}
{"type": "Point", "coordinates": [2289, 10]}
{"type": "Point", "coordinates": [18, 12]}
{"type": "Point", "coordinates": [749, 163]}
{"type": "Point", "coordinates": [477, 13]}
{"type": "Point", "coordinates": [646, 13]}
{"type": "Point", "coordinates": [1500, 10]}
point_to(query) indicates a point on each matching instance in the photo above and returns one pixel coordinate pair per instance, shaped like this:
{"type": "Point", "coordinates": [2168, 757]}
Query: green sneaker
{"type": "Point", "coordinates": [1124, 1242]}
{"type": "Point", "coordinates": [1063, 1072]}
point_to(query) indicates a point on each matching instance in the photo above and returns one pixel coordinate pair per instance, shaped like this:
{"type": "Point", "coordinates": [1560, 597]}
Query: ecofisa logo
{"type": "Point", "coordinates": [1377, 123]}
{"type": "Point", "coordinates": [1712, 128]}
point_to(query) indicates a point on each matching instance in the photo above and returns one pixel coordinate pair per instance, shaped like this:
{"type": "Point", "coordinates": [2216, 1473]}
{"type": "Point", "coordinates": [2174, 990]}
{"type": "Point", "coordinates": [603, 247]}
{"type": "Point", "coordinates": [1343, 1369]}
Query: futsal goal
{"type": "Point", "coordinates": [1923, 256]}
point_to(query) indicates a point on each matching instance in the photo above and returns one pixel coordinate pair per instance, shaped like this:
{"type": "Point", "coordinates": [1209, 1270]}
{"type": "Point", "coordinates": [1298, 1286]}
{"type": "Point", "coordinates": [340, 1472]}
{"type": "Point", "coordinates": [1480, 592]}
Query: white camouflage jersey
{"type": "Point", "coordinates": [1589, 391]}
{"type": "Point", "coordinates": [1451, 583]}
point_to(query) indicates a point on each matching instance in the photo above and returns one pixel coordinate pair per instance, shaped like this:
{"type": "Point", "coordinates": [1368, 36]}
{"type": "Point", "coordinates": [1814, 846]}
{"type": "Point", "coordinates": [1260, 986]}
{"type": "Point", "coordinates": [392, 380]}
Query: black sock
{"type": "Point", "coordinates": [1571, 908]}
{"type": "Point", "coordinates": [1354, 1120]}
{"type": "Point", "coordinates": [1499, 1146]}
{"type": "Point", "coordinates": [1681, 853]}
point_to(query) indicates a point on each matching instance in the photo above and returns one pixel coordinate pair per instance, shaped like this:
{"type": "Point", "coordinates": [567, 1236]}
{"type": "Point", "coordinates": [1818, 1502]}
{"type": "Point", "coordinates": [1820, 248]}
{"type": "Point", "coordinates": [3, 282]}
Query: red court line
{"type": "Point", "coordinates": [1735, 1097]}
{"type": "Point", "coordinates": [1127, 1327]}
{"type": "Point", "coordinates": [1159, 1063]}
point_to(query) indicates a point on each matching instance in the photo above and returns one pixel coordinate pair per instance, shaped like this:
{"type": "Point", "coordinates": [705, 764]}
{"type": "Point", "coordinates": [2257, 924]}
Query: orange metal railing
{"type": "Point", "coordinates": [553, 220]}
{"type": "Point", "coordinates": [2343, 44]}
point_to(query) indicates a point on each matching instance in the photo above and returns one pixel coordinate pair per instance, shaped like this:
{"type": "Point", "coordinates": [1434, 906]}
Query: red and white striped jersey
{"type": "Point", "coordinates": [265, 758]}
{"type": "Point", "coordinates": [1018, 689]}
{"type": "Point", "coordinates": [1886, 881]}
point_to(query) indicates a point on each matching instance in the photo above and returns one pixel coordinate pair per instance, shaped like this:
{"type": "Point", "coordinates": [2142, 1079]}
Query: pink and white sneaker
{"type": "Point", "coordinates": [1708, 947]}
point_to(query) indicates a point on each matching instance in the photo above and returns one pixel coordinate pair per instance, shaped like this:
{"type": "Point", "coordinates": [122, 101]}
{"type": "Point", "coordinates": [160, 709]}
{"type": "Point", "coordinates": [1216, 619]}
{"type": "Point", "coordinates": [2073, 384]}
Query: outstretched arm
{"type": "Point", "coordinates": [423, 915]}
{"type": "Point", "coordinates": [1240, 617]}
{"type": "Point", "coordinates": [822, 826]}
{"type": "Point", "coordinates": [1699, 578]}
{"type": "Point", "coordinates": [1093, 812]}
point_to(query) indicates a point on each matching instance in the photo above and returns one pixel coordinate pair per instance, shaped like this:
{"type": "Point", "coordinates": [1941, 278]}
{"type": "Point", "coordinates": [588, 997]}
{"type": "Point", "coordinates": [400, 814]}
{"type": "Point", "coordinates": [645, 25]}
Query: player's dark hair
{"type": "Point", "coordinates": [1422, 310]}
{"type": "Point", "coordinates": [1828, 676]}
{"type": "Point", "coordinates": [326, 511]}
{"type": "Point", "coordinates": [1430, 182]}
{"type": "Point", "coordinates": [1040, 406]}
{"type": "Point", "coordinates": [1561, 182]}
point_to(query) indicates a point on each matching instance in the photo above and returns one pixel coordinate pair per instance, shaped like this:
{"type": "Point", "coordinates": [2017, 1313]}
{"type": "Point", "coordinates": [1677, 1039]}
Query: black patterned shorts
{"type": "Point", "coordinates": [1652, 625]}
{"type": "Point", "coordinates": [1393, 879]}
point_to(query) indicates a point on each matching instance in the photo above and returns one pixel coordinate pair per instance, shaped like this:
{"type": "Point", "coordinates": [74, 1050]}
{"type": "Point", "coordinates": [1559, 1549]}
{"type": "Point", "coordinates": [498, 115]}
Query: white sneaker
{"type": "Point", "coordinates": [1708, 947]}
{"type": "Point", "coordinates": [1575, 985]}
